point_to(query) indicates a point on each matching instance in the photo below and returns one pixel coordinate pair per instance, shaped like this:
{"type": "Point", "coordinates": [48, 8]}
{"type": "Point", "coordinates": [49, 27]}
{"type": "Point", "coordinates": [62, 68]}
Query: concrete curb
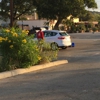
{"type": "Point", "coordinates": [33, 68]}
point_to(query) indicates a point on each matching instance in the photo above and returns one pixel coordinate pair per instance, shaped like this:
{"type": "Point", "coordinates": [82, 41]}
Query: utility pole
{"type": "Point", "coordinates": [11, 13]}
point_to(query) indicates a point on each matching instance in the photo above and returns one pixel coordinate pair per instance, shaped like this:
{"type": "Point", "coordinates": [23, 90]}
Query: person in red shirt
{"type": "Point", "coordinates": [40, 37]}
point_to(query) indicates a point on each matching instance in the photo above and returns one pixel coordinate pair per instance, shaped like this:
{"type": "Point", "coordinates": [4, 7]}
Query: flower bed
{"type": "Point", "coordinates": [18, 50]}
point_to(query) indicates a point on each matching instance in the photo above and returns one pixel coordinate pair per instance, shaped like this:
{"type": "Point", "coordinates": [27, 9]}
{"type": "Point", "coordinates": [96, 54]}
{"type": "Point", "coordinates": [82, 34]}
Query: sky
{"type": "Point", "coordinates": [98, 4]}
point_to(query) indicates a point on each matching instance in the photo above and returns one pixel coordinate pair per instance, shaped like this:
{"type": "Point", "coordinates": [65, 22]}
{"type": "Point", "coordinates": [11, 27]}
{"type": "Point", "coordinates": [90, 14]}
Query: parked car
{"type": "Point", "coordinates": [57, 38]}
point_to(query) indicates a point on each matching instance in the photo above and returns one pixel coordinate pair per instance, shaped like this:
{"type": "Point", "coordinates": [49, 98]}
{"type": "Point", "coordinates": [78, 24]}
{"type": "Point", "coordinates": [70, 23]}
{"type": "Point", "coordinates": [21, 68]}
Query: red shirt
{"type": "Point", "coordinates": [40, 35]}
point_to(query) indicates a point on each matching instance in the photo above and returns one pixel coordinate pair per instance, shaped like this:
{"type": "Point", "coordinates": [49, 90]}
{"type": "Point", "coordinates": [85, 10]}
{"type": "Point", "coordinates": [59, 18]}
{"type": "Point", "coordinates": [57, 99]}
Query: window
{"type": "Point", "coordinates": [53, 34]}
{"type": "Point", "coordinates": [63, 34]}
{"type": "Point", "coordinates": [46, 34]}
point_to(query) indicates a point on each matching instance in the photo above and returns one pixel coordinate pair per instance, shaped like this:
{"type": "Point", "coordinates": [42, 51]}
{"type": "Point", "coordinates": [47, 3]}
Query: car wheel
{"type": "Point", "coordinates": [54, 46]}
{"type": "Point", "coordinates": [63, 47]}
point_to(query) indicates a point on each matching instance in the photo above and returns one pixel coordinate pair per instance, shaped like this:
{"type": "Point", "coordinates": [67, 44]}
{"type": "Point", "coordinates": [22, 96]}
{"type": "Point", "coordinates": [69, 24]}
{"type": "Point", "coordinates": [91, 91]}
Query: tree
{"type": "Point", "coordinates": [20, 7]}
{"type": "Point", "coordinates": [87, 16]}
{"type": "Point", "coordinates": [60, 9]}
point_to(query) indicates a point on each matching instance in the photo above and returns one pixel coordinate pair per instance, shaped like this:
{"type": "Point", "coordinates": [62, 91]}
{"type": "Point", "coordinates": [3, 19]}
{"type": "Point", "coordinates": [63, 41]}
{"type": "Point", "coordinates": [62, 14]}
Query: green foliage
{"type": "Point", "coordinates": [90, 4]}
{"type": "Point", "coordinates": [49, 9]}
{"type": "Point", "coordinates": [61, 9]}
{"type": "Point", "coordinates": [67, 22]}
{"type": "Point", "coordinates": [87, 16]}
{"type": "Point", "coordinates": [48, 56]}
{"type": "Point", "coordinates": [21, 7]}
{"type": "Point", "coordinates": [73, 28]}
{"type": "Point", "coordinates": [81, 27]}
{"type": "Point", "coordinates": [46, 53]}
{"type": "Point", "coordinates": [62, 28]}
{"type": "Point", "coordinates": [94, 29]}
{"type": "Point", "coordinates": [99, 28]}
{"type": "Point", "coordinates": [90, 25]}
{"type": "Point", "coordinates": [19, 50]}
{"type": "Point", "coordinates": [78, 28]}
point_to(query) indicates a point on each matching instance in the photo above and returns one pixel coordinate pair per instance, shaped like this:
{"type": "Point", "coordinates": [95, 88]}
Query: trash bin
{"type": "Point", "coordinates": [73, 44]}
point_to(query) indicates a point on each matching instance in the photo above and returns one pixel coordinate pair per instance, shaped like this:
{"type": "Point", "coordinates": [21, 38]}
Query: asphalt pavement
{"type": "Point", "coordinates": [79, 79]}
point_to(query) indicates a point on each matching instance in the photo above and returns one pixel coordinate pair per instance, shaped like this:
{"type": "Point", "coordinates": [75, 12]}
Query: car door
{"type": "Point", "coordinates": [49, 36]}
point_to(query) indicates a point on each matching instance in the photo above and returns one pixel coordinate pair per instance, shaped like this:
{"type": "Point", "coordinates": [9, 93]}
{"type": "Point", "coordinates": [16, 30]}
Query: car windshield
{"type": "Point", "coordinates": [63, 34]}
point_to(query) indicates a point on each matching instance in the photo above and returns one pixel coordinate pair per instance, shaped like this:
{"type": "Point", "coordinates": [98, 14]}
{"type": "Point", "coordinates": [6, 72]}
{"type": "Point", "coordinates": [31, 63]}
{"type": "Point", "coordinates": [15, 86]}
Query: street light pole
{"type": "Point", "coordinates": [11, 13]}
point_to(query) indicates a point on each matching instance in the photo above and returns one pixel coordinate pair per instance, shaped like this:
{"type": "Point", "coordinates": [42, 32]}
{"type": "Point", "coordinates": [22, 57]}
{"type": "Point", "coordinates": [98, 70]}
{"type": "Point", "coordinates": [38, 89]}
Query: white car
{"type": "Point", "coordinates": [57, 38]}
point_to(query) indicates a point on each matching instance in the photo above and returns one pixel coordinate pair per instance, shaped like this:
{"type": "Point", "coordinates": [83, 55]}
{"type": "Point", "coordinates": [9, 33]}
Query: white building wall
{"type": "Point", "coordinates": [31, 23]}
{"type": "Point", "coordinates": [4, 23]}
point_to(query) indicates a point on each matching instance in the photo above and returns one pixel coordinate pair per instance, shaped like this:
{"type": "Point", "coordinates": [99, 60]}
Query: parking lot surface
{"type": "Point", "coordinates": [77, 80]}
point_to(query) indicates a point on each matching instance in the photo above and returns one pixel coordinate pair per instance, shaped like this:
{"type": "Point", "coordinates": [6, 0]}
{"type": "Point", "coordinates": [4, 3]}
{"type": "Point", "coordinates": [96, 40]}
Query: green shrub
{"type": "Point", "coordinates": [62, 28]}
{"type": "Point", "coordinates": [19, 50]}
{"type": "Point", "coordinates": [94, 29]}
{"type": "Point", "coordinates": [73, 28]}
{"type": "Point", "coordinates": [47, 54]}
{"type": "Point", "coordinates": [81, 27]}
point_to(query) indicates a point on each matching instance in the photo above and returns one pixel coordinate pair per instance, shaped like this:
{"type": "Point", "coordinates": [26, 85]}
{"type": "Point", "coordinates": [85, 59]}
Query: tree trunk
{"type": "Point", "coordinates": [56, 27]}
{"type": "Point", "coordinates": [14, 23]}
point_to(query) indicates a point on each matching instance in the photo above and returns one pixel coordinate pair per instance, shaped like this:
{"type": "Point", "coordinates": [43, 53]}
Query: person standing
{"type": "Point", "coordinates": [40, 38]}
{"type": "Point", "coordinates": [40, 35]}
